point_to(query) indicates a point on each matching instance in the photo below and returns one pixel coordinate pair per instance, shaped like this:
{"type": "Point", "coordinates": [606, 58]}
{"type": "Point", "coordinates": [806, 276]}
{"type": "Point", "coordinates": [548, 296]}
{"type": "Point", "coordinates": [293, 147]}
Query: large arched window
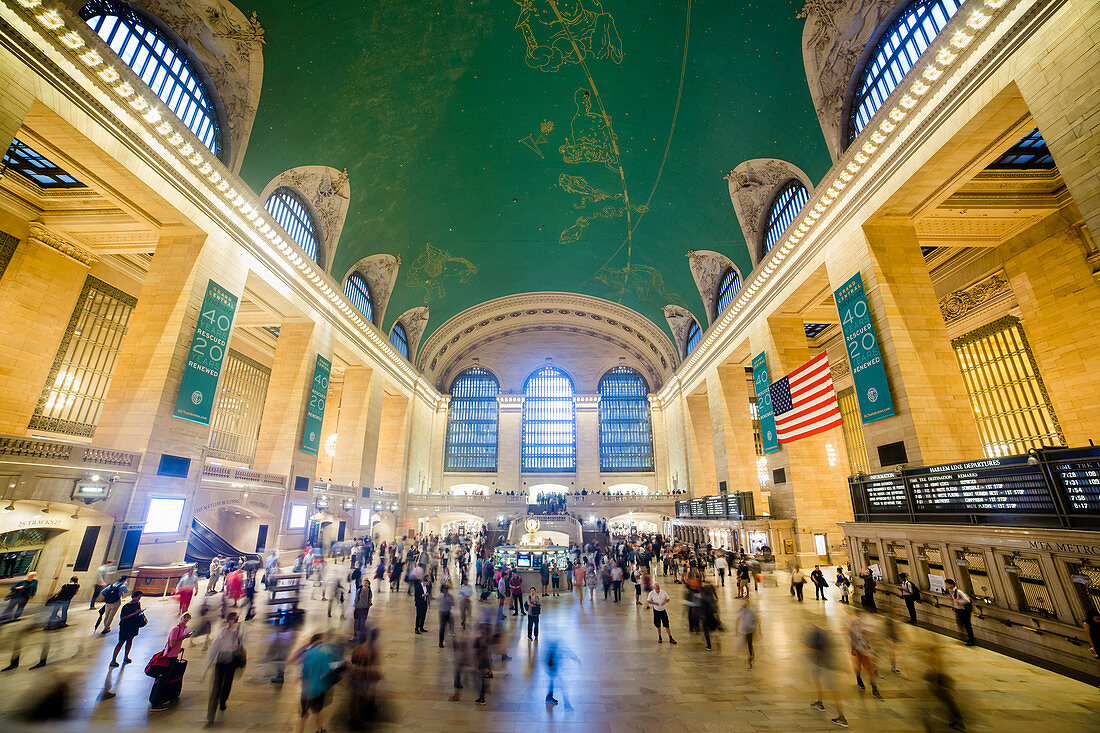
{"type": "Point", "coordinates": [166, 67]}
{"type": "Point", "coordinates": [729, 287]}
{"type": "Point", "coordinates": [358, 292]}
{"type": "Point", "coordinates": [626, 440]}
{"type": "Point", "coordinates": [292, 212]}
{"type": "Point", "coordinates": [897, 52]}
{"type": "Point", "coordinates": [549, 422]}
{"type": "Point", "coordinates": [400, 339]}
{"type": "Point", "coordinates": [472, 424]}
{"type": "Point", "coordinates": [786, 204]}
{"type": "Point", "coordinates": [693, 336]}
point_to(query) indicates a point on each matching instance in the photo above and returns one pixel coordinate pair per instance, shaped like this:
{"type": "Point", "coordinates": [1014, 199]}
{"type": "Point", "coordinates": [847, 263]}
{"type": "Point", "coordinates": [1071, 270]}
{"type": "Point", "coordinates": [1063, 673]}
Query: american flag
{"type": "Point", "coordinates": [804, 402]}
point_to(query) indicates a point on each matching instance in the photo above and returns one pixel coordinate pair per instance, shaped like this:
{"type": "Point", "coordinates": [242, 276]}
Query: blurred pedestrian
{"type": "Point", "coordinates": [130, 621]}
{"type": "Point", "coordinates": [747, 622]}
{"type": "Point", "coordinates": [863, 659]}
{"type": "Point", "coordinates": [18, 596]}
{"type": "Point", "coordinates": [797, 581]}
{"type": "Point", "coordinates": [821, 669]}
{"type": "Point", "coordinates": [843, 583]}
{"type": "Point", "coordinates": [364, 599]}
{"type": "Point", "coordinates": [556, 656]}
{"type": "Point", "coordinates": [226, 656]}
{"type": "Point", "coordinates": [942, 686]}
{"type": "Point", "coordinates": [185, 589]}
{"type": "Point", "coordinates": [59, 604]}
{"type": "Point", "coordinates": [320, 662]}
{"type": "Point", "coordinates": [446, 603]}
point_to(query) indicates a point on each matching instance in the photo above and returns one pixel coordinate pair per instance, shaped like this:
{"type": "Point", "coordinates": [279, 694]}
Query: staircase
{"type": "Point", "coordinates": [203, 544]}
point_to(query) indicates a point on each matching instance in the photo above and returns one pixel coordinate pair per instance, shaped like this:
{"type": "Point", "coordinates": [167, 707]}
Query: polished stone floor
{"type": "Point", "coordinates": [622, 679]}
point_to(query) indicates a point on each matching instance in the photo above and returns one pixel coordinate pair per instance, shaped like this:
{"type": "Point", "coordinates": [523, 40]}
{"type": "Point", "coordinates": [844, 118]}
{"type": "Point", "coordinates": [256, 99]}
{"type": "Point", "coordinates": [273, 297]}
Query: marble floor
{"type": "Point", "coordinates": [622, 679]}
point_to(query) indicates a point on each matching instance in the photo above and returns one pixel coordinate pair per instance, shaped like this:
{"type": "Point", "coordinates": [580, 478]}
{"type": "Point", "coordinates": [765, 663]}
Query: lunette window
{"type": "Point", "coordinates": [790, 199]}
{"type": "Point", "coordinates": [157, 58]}
{"type": "Point", "coordinates": [400, 339]}
{"type": "Point", "coordinates": [358, 292]}
{"type": "Point", "coordinates": [730, 286]}
{"type": "Point", "coordinates": [549, 442]}
{"type": "Point", "coordinates": [291, 211]}
{"type": "Point", "coordinates": [694, 334]}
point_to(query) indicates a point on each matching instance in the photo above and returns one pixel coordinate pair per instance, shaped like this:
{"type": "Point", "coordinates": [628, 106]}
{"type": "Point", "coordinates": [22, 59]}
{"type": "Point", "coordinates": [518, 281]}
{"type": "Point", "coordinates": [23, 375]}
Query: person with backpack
{"type": "Point", "coordinates": [364, 599]}
{"type": "Point", "coordinates": [19, 595]}
{"type": "Point", "coordinates": [112, 599]}
{"type": "Point", "coordinates": [320, 671]}
{"type": "Point", "coordinates": [843, 583]}
{"type": "Point", "coordinates": [59, 605]}
{"type": "Point", "coordinates": [820, 584]}
{"type": "Point", "coordinates": [910, 594]}
{"type": "Point", "coordinates": [964, 608]}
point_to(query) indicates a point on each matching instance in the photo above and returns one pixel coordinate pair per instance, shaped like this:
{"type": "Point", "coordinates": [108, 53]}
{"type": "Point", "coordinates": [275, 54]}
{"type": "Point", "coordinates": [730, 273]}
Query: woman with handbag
{"type": "Point", "coordinates": [130, 620]}
{"type": "Point", "coordinates": [227, 656]}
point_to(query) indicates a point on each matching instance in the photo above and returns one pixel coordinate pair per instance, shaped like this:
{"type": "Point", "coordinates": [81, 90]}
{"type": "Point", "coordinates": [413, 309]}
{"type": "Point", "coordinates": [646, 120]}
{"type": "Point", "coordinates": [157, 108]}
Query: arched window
{"type": "Point", "coordinates": [472, 424]}
{"type": "Point", "coordinates": [549, 422]}
{"type": "Point", "coordinates": [626, 440]}
{"type": "Point", "coordinates": [694, 334]}
{"type": "Point", "coordinates": [292, 213]}
{"type": "Point", "coordinates": [358, 292]}
{"type": "Point", "coordinates": [790, 199]}
{"type": "Point", "coordinates": [400, 339]}
{"type": "Point", "coordinates": [731, 284]}
{"type": "Point", "coordinates": [897, 52]}
{"type": "Point", "coordinates": [166, 67]}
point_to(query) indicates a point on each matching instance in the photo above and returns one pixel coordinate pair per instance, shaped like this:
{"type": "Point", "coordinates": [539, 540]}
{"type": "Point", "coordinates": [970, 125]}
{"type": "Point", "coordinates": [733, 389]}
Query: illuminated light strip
{"type": "Point", "coordinates": [945, 57]}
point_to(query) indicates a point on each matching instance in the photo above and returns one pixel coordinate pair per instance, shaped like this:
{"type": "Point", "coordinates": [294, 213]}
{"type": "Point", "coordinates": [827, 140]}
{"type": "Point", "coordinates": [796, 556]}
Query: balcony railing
{"type": "Point", "coordinates": [61, 453]}
{"type": "Point", "coordinates": [235, 474]}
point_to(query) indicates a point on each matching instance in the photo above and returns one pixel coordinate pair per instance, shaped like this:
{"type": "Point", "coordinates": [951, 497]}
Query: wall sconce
{"type": "Point", "coordinates": [961, 562]}
{"type": "Point", "coordinates": [348, 504]}
{"type": "Point", "coordinates": [10, 507]}
{"type": "Point", "coordinates": [1011, 566]}
{"type": "Point", "coordinates": [321, 502]}
{"type": "Point", "coordinates": [922, 557]}
{"type": "Point", "coordinates": [889, 553]}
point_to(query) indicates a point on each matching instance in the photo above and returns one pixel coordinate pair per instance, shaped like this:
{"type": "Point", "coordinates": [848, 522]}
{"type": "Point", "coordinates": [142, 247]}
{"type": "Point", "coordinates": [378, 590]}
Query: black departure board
{"type": "Point", "coordinates": [716, 506]}
{"type": "Point", "coordinates": [996, 485]}
{"type": "Point", "coordinates": [1077, 474]}
{"type": "Point", "coordinates": [699, 508]}
{"type": "Point", "coordinates": [681, 509]}
{"type": "Point", "coordinates": [885, 493]}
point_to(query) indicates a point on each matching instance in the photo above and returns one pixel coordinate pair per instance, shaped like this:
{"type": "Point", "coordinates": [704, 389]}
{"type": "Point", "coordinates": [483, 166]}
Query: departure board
{"type": "Point", "coordinates": [885, 493]}
{"type": "Point", "coordinates": [682, 509]}
{"type": "Point", "coordinates": [733, 506]}
{"type": "Point", "coordinates": [1077, 474]}
{"type": "Point", "coordinates": [699, 508]}
{"type": "Point", "coordinates": [716, 506]}
{"type": "Point", "coordinates": [993, 485]}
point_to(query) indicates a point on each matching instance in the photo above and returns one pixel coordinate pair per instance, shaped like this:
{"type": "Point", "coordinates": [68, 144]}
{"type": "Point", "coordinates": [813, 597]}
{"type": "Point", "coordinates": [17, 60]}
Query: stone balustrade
{"type": "Point", "coordinates": [58, 452]}
{"type": "Point", "coordinates": [244, 475]}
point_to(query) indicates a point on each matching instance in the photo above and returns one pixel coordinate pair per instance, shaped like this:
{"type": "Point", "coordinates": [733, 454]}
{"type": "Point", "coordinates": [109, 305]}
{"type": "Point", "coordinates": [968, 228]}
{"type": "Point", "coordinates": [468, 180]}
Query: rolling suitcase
{"type": "Point", "coordinates": [167, 687]}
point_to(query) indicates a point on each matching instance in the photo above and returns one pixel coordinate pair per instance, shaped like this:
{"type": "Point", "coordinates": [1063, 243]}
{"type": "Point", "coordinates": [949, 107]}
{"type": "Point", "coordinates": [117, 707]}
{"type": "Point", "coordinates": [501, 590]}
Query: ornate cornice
{"type": "Point", "coordinates": [957, 304]}
{"type": "Point", "coordinates": [40, 234]}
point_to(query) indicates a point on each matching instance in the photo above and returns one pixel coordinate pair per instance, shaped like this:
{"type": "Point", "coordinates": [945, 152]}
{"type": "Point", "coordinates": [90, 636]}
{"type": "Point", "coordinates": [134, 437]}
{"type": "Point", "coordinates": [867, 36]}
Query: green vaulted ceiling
{"type": "Point", "coordinates": [506, 146]}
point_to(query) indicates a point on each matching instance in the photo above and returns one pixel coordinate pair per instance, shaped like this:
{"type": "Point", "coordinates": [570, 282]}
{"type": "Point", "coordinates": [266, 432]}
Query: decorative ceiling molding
{"type": "Point", "coordinates": [834, 43]}
{"type": "Point", "coordinates": [707, 268]}
{"type": "Point", "coordinates": [415, 320]}
{"type": "Point", "coordinates": [40, 234]}
{"type": "Point", "coordinates": [328, 192]}
{"type": "Point", "coordinates": [549, 310]}
{"type": "Point", "coordinates": [752, 187]}
{"type": "Point", "coordinates": [230, 48]}
{"type": "Point", "coordinates": [381, 272]}
{"type": "Point", "coordinates": [679, 319]}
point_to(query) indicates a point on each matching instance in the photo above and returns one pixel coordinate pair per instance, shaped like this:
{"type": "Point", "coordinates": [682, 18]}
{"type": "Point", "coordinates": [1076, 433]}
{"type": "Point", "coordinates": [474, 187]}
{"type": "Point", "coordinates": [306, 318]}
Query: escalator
{"type": "Point", "coordinates": [203, 544]}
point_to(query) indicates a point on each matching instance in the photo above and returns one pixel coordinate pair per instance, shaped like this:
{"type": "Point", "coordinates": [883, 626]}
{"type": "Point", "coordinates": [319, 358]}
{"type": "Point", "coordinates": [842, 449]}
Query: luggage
{"type": "Point", "coordinates": [167, 687]}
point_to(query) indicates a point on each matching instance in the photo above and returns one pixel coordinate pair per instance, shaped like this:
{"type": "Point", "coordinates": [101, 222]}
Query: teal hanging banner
{"type": "Point", "coordinates": [204, 362]}
{"type": "Point", "coordinates": [318, 393]}
{"type": "Point", "coordinates": [764, 403]}
{"type": "Point", "coordinates": [868, 372]}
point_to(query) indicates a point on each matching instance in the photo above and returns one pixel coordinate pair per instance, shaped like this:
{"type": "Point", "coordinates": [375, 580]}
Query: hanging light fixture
{"type": "Point", "coordinates": [10, 507]}
{"type": "Point", "coordinates": [46, 509]}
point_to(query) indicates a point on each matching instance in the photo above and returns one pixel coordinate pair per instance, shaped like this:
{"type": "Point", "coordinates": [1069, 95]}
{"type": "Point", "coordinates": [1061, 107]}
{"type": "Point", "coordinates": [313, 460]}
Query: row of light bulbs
{"type": "Point", "coordinates": [811, 214]}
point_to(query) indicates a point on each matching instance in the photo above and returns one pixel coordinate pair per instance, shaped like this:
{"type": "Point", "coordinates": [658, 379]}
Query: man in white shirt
{"type": "Point", "coordinates": [657, 599]}
{"type": "Point", "coordinates": [722, 566]}
{"type": "Point", "coordinates": [963, 608]}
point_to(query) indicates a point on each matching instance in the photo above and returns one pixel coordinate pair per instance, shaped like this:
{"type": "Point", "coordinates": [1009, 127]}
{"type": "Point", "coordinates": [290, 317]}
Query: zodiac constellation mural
{"type": "Point", "coordinates": [573, 233]}
{"type": "Point", "coordinates": [434, 267]}
{"type": "Point", "coordinates": [644, 283]}
{"type": "Point", "coordinates": [591, 139]}
{"type": "Point", "coordinates": [535, 139]}
{"type": "Point", "coordinates": [567, 32]}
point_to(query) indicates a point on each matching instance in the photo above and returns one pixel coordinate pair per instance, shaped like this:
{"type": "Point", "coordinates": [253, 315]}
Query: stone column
{"type": "Point", "coordinates": [39, 292]}
{"type": "Point", "coordinates": [392, 445]}
{"type": "Point", "coordinates": [437, 448]}
{"type": "Point", "coordinates": [932, 416]}
{"type": "Point", "coordinates": [662, 480]}
{"type": "Point", "coordinates": [815, 493]}
{"type": "Point", "coordinates": [701, 446]}
{"type": "Point", "coordinates": [510, 423]}
{"type": "Point", "coordinates": [279, 444]}
{"type": "Point", "coordinates": [358, 427]}
{"type": "Point", "coordinates": [330, 424]}
{"type": "Point", "coordinates": [734, 445]}
{"type": "Point", "coordinates": [1059, 299]}
{"type": "Point", "coordinates": [588, 442]}
{"type": "Point", "coordinates": [1060, 93]}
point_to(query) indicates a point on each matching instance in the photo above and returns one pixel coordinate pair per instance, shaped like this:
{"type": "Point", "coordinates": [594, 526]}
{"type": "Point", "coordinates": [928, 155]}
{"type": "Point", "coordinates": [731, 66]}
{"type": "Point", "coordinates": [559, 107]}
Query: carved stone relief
{"type": "Point", "coordinates": [751, 187]}
{"type": "Point", "coordinates": [679, 320]}
{"type": "Point", "coordinates": [230, 47]}
{"type": "Point", "coordinates": [328, 191]}
{"type": "Point", "coordinates": [833, 41]}
{"type": "Point", "coordinates": [707, 268]}
{"type": "Point", "coordinates": [415, 321]}
{"type": "Point", "coordinates": [381, 272]}
{"type": "Point", "coordinates": [958, 304]}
